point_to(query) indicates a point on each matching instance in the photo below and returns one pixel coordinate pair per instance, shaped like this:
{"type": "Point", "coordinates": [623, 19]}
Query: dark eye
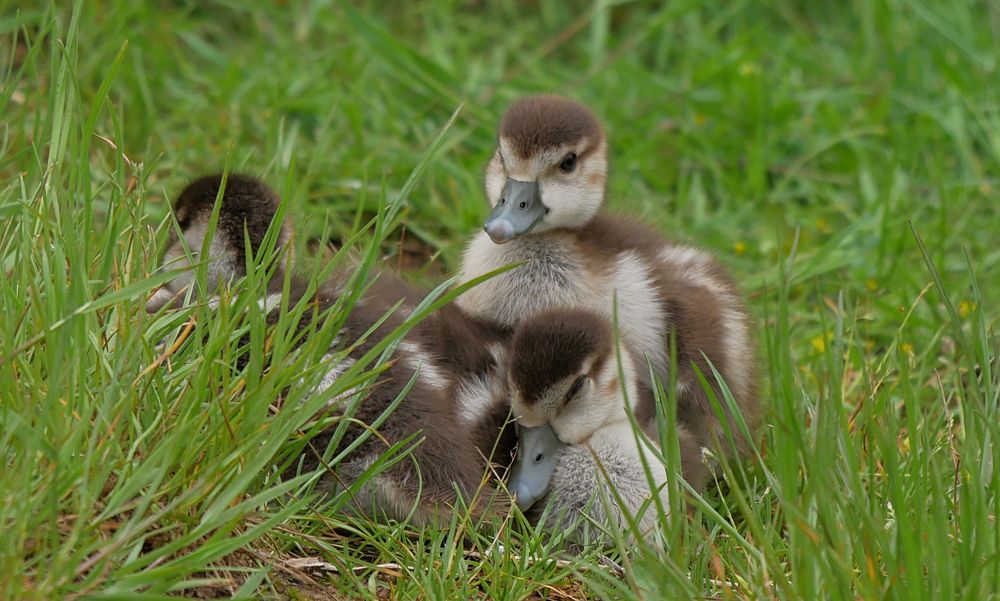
{"type": "Point", "coordinates": [538, 458]}
{"type": "Point", "coordinates": [568, 164]}
{"type": "Point", "coordinates": [575, 388]}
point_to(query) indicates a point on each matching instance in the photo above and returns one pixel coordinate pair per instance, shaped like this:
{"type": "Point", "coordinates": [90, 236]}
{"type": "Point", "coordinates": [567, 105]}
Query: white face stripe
{"type": "Point", "coordinates": [495, 180]}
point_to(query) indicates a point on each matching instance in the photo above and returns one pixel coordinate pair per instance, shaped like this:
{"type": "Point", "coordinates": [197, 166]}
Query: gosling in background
{"type": "Point", "coordinates": [457, 405]}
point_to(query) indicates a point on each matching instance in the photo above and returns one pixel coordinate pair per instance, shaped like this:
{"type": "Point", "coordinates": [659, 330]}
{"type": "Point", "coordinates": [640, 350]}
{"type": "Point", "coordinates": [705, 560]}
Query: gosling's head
{"type": "Point", "coordinates": [549, 169]}
{"type": "Point", "coordinates": [248, 205]}
{"type": "Point", "coordinates": [564, 373]}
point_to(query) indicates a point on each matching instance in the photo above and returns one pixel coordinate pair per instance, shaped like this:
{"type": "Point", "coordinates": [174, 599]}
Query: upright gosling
{"type": "Point", "coordinates": [546, 182]}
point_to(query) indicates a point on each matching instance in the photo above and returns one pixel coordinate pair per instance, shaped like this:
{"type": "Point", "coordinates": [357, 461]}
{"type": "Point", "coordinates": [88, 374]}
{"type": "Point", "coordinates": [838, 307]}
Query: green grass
{"type": "Point", "coordinates": [844, 160]}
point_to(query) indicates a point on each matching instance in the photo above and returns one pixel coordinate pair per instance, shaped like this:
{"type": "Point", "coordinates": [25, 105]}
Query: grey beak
{"type": "Point", "coordinates": [538, 451]}
{"type": "Point", "coordinates": [519, 210]}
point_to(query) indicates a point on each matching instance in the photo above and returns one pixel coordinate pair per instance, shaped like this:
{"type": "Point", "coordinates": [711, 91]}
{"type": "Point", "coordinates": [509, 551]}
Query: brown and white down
{"type": "Point", "coordinates": [457, 405]}
{"type": "Point", "coordinates": [572, 400]}
{"type": "Point", "coordinates": [546, 183]}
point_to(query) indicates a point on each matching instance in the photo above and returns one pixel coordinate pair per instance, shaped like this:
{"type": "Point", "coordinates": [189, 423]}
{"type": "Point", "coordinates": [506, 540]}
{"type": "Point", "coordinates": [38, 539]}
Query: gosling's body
{"type": "Point", "coordinates": [580, 501]}
{"type": "Point", "coordinates": [457, 404]}
{"type": "Point", "coordinates": [607, 261]}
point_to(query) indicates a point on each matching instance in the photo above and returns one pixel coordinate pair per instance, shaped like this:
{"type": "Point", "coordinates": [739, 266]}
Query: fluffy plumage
{"type": "Point", "coordinates": [546, 122]}
{"type": "Point", "coordinates": [457, 405]}
{"type": "Point", "coordinates": [580, 266]}
{"type": "Point", "coordinates": [578, 256]}
{"type": "Point", "coordinates": [587, 402]}
{"type": "Point", "coordinates": [249, 205]}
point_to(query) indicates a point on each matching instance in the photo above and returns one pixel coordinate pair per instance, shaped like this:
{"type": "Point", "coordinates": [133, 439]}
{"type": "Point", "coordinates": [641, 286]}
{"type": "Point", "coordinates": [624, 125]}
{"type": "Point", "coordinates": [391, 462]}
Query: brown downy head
{"type": "Point", "coordinates": [563, 372]}
{"type": "Point", "coordinates": [549, 169]}
{"type": "Point", "coordinates": [248, 206]}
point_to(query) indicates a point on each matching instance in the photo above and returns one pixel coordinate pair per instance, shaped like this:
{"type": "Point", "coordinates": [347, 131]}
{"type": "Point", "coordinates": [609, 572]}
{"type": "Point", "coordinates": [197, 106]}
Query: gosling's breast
{"type": "Point", "coordinates": [551, 275]}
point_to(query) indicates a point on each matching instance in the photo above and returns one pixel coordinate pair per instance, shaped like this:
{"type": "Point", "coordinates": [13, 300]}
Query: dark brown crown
{"type": "Point", "coordinates": [537, 122]}
{"type": "Point", "coordinates": [554, 345]}
{"type": "Point", "coordinates": [247, 203]}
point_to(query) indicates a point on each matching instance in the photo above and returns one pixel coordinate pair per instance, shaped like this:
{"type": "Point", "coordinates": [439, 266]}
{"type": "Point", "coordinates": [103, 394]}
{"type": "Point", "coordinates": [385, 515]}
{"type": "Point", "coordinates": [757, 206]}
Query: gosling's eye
{"type": "Point", "coordinates": [538, 458]}
{"type": "Point", "coordinates": [575, 388]}
{"type": "Point", "coordinates": [568, 164]}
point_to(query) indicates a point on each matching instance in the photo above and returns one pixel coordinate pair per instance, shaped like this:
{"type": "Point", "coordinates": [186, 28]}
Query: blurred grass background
{"type": "Point", "coordinates": [796, 139]}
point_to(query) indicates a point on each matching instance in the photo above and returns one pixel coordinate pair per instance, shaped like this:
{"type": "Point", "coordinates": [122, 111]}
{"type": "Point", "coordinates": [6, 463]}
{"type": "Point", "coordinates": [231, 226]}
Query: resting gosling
{"type": "Point", "coordinates": [546, 182]}
{"type": "Point", "coordinates": [457, 403]}
{"type": "Point", "coordinates": [574, 429]}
